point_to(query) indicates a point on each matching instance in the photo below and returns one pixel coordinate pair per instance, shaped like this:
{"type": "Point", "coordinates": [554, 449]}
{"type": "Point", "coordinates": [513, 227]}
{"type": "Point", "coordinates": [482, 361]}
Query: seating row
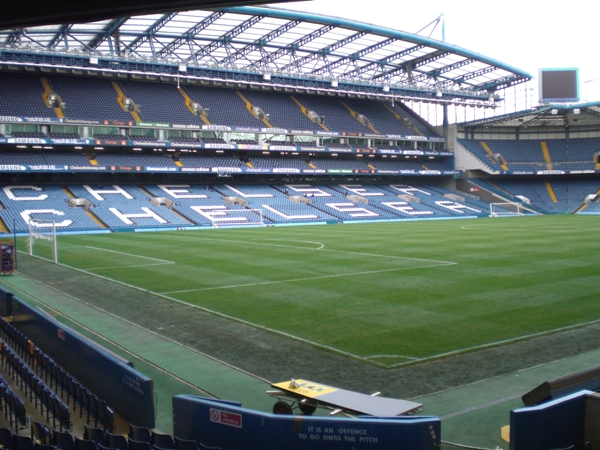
{"type": "Point", "coordinates": [47, 384]}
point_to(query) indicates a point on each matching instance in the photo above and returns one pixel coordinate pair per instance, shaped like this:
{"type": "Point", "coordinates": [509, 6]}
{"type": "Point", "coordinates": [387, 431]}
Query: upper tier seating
{"type": "Point", "coordinates": [89, 98]}
{"type": "Point", "coordinates": [563, 154]}
{"type": "Point", "coordinates": [283, 111]}
{"type": "Point", "coordinates": [22, 95]}
{"type": "Point", "coordinates": [159, 102]}
{"type": "Point", "coordinates": [96, 99]}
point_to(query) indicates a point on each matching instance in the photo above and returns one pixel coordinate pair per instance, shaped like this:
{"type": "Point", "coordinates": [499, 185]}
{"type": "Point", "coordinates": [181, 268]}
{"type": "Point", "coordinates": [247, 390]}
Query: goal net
{"type": "Point", "coordinates": [506, 209]}
{"type": "Point", "coordinates": [237, 217]}
{"type": "Point", "coordinates": [42, 239]}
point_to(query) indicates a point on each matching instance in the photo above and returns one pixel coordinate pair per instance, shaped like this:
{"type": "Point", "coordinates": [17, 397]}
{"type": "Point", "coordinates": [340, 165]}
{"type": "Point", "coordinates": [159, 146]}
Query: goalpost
{"type": "Point", "coordinates": [506, 209]}
{"type": "Point", "coordinates": [43, 231]}
{"type": "Point", "coordinates": [237, 217]}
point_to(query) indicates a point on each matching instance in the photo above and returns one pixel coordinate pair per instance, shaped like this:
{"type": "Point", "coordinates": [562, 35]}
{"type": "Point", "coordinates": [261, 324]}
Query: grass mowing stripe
{"type": "Point", "coordinates": [306, 279]}
{"type": "Point", "coordinates": [130, 254]}
{"type": "Point", "coordinates": [314, 344]}
{"type": "Point", "coordinates": [348, 289]}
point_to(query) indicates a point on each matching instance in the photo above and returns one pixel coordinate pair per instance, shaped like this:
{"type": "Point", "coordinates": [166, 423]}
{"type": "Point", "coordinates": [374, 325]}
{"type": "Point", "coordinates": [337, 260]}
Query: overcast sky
{"type": "Point", "coordinates": [526, 34]}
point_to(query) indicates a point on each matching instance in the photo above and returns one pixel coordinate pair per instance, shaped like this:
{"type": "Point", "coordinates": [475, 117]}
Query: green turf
{"type": "Point", "coordinates": [386, 293]}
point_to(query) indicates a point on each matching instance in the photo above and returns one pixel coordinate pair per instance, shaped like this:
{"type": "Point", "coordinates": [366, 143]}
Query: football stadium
{"type": "Point", "coordinates": [248, 227]}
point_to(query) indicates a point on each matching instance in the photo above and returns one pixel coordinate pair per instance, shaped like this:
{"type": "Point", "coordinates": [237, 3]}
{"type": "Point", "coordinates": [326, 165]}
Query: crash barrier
{"type": "Point", "coordinates": [588, 379]}
{"type": "Point", "coordinates": [227, 425]}
{"type": "Point", "coordinates": [111, 378]}
{"type": "Point", "coordinates": [568, 422]}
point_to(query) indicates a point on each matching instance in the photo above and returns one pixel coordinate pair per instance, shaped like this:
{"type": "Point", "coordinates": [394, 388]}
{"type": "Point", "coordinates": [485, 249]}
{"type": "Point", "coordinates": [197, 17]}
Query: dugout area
{"type": "Point", "coordinates": [183, 351]}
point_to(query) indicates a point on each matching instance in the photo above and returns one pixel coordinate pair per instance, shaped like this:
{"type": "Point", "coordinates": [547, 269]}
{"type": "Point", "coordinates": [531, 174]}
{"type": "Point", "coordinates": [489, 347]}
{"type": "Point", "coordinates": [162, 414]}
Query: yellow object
{"type": "Point", "coordinates": [121, 97]}
{"type": "Point", "coordinates": [305, 388]}
{"type": "Point", "coordinates": [305, 112]}
{"type": "Point", "coordinates": [355, 115]}
{"type": "Point", "coordinates": [551, 192]}
{"type": "Point", "coordinates": [47, 91]}
{"type": "Point", "coordinates": [546, 155]}
{"type": "Point", "coordinates": [489, 152]}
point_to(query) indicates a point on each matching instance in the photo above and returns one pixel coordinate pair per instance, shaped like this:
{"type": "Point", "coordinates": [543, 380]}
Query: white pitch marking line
{"type": "Point", "coordinates": [127, 267]}
{"type": "Point", "coordinates": [339, 275]}
{"type": "Point", "coordinates": [321, 249]}
{"type": "Point", "coordinates": [393, 356]}
{"type": "Point", "coordinates": [216, 313]}
{"type": "Point", "coordinates": [131, 254]}
{"type": "Point", "coordinates": [320, 244]}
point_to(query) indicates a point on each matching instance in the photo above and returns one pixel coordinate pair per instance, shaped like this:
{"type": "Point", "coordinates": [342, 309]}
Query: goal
{"type": "Point", "coordinates": [238, 217]}
{"type": "Point", "coordinates": [506, 209]}
{"type": "Point", "coordinates": [43, 234]}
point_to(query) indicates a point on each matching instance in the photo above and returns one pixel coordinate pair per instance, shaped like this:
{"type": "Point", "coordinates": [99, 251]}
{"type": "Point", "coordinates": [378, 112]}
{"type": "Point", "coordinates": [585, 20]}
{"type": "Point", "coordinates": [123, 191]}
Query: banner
{"type": "Point", "coordinates": [7, 256]}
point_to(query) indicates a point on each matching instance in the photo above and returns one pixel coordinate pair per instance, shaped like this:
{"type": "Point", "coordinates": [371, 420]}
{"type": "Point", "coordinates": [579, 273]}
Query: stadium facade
{"type": "Point", "coordinates": [254, 116]}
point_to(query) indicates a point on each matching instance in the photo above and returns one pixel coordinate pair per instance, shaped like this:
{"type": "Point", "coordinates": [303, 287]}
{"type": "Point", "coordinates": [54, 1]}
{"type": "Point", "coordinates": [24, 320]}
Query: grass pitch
{"type": "Point", "coordinates": [388, 294]}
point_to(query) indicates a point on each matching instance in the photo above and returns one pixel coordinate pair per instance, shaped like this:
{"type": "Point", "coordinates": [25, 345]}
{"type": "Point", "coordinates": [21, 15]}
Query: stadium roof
{"type": "Point", "coordinates": [281, 42]}
{"type": "Point", "coordinates": [546, 115]}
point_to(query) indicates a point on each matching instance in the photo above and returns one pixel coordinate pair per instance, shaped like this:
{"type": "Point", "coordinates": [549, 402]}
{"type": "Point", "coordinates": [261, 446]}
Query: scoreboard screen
{"type": "Point", "coordinates": [559, 85]}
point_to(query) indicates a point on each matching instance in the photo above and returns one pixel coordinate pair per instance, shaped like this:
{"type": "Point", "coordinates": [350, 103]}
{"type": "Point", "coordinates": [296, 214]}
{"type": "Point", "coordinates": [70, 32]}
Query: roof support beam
{"type": "Point", "coordinates": [325, 51]}
{"type": "Point", "coordinates": [190, 34]}
{"type": "Point", "coordinates": [150, 32]}
{"type": "Point", "coordinates": [61, 35]}
{"type": "Point", "coordinates": [226, 38]}
{"type": "Point", "coordinates": [15, 36]}
{"type": "Point", "coordinates": [103, 35]}
{"type": "Point", "coordinates": [259, 43]}
{"type": "Point", "coordinates": [385, 61]}
{"type": "Point", "coordinates": [353, 57]}
{"type": "Point", "coordinates": [296, 45]}
{"type": "Point", "coordinates": [437, 72]}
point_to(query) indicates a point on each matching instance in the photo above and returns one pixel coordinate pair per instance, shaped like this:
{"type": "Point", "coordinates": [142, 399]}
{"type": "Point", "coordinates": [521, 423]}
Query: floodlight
{"type": "Point", "coordinates": [576, 111]}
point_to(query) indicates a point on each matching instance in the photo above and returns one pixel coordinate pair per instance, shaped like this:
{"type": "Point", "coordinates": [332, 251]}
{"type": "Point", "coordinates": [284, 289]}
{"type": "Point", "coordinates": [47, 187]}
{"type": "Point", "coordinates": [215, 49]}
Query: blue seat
{"type": "Point", "coordinates": [63, 440]}
{"type": "Point", "coordinates": [85, 444]}
{"type": "Point", "coordinates": [139, 445]}
{"type": "Point", "coordinates": [40, 433]}
{"type": "Point", "coordinates": [6, 438]}
{"type": "Point", "coordinates": [94, 434]}
{"type": "Point", "coordinates": [140, 434]}
{"type": "Point", "coordinates": [164, 441]}
{"type": "Point", "coordinates": [23, 443]}
{"type": "Point", "coordinates": [117, 441]}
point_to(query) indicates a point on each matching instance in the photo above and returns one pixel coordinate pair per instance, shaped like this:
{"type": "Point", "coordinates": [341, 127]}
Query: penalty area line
{"type": "Point", "coordinates": [292, 280]}
{"type": "Point", "coordinates": [130, 254]}
{"type": "Point", "coordinates": [321, 248]}
{"type": "Point", "coordinates": [219, 314]}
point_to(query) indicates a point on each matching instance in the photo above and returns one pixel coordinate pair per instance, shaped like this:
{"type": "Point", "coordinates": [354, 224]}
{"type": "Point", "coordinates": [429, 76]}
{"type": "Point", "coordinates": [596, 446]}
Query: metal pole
{"type": "Point", "coordinates": [15, 239]}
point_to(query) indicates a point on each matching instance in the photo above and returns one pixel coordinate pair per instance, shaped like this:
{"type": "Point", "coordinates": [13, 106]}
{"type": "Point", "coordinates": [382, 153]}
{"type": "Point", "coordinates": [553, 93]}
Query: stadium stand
{"type": "Point", "coordinates": [100, 157]}
{"type": "Point", "coordinates": [89, 99]}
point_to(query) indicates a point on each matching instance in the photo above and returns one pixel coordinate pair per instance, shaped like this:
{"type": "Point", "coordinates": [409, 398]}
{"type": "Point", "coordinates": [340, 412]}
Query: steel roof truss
{"type": "Point", "coordinates": [61, 35]}
{"type": "Point", "coordinates": [272, 57]}
{"type": "Point", "coordinates": [437, 72]}
{"type": "Point", "coordinates": [355, 56]}
{"type": "Point", "coordinates": [259, 43]}
{"type": "Point", "coordinates": [103, 35]}
{"type": "Point", "coordinates": [189, 35]}
{"type": "Point", "coordinates": [326, 50]}
{"type": "Point", "coordinates": [226, 38]}
{"type": "Point", "coordinates": [385, 61]}
{"type": "Point", "coordinates": [150, 31]}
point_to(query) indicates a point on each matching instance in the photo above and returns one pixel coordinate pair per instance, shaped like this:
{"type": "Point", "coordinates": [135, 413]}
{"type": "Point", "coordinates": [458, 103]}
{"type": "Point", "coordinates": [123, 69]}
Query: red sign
{"type": "Point", "coordinates": [226, 418]}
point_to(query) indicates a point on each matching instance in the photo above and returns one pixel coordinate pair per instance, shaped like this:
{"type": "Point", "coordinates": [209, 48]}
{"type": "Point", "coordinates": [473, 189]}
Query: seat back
{"type": "Point", "coordinates": [164, 441]}
{"type": "Point", "coordinates": [140, 434]}
{"type": "Point", "coordinates": [117, 441]}
{"type": "Point", "coordinates": [63, 440]}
